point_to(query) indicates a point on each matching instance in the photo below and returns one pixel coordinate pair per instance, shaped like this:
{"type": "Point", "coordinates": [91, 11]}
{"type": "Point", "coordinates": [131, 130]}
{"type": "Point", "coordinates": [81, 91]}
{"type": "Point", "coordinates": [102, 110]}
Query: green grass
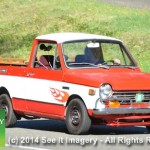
{"type": "Point", "coordinates": [22, 20]}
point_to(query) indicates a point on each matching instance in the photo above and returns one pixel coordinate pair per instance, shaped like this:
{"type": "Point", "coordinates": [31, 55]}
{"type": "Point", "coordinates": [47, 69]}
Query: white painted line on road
{"type": "Point", "coordinates": [26, 147]}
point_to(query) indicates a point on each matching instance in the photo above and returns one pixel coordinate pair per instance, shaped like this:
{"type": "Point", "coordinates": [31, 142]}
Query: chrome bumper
{"type": "Point", "coordinates": [107, 111]}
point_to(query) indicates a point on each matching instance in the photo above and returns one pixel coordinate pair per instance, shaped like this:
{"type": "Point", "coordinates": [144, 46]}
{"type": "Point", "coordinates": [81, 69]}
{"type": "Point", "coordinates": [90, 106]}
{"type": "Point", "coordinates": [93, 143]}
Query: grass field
{"type": "Point", "coordinates": [22, 20]}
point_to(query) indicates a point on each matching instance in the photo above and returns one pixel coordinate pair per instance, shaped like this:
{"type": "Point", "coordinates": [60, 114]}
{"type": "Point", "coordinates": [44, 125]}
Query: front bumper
{"type": "Point", "coordinates": [107, 111]}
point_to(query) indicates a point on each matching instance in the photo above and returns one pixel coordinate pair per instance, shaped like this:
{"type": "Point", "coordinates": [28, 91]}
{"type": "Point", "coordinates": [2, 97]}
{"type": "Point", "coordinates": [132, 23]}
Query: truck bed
{"type": "Point", "coordinates": [12, 62]}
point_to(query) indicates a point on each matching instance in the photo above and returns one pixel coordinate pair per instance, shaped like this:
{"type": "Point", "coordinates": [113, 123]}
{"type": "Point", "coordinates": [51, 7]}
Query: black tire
{"type": "Point", "coordinates": [5, 103]}
{"type": "Point", "coordinates": [148, 128]}
{"type": "Point", "coordinates": [77, 118]}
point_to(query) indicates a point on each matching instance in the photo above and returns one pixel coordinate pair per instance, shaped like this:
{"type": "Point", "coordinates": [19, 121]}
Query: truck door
{"type": "Point", "coordinates": [43, 79]}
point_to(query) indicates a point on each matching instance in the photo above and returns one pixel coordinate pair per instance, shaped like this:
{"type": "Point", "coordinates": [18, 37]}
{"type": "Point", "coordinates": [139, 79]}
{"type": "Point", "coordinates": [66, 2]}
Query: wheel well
{"type": "Point", "coordinates": [3, 90]}
{"type": "Point", "coordinates": [72, 97]}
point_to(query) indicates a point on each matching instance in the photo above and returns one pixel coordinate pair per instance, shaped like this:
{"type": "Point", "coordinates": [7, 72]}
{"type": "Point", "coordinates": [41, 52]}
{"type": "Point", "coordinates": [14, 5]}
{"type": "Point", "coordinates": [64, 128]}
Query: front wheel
{"type": "Point", "coordinates": [5, 103]}
{"type": "Point", "coordinates": [77, 118]}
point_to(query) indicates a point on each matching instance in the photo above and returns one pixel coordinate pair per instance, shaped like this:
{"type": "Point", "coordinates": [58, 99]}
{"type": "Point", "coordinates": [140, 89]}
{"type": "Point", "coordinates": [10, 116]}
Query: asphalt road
{"type": "Point", "coordinates": [49, 134]}
{"type": "Point", "coordinates": [140, 4]}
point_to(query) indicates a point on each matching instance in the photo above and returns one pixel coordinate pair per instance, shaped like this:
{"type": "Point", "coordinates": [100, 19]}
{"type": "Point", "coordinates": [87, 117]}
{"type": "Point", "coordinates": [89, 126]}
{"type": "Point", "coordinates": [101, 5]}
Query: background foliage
{"type": "Point", "coordinates": [22, 20]}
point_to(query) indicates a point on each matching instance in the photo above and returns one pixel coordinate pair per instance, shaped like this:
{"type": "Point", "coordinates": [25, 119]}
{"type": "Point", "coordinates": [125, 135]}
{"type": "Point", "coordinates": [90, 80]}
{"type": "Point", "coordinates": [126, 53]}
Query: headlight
{"type": "Point", "coordinates": [105, 91]}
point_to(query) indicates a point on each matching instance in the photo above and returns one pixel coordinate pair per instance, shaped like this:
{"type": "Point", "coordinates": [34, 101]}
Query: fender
{"type": "Point", "coordinates": [3, 90]}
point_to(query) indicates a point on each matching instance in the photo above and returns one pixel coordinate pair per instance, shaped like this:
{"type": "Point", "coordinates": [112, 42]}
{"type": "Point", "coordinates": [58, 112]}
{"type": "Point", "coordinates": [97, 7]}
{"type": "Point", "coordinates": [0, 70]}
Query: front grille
{"type": "Point", "coordinates": [126, 97]}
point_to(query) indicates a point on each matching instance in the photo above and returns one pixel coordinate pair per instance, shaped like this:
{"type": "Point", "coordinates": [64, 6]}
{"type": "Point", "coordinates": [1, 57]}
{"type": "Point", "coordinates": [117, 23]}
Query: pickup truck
{"type": "Point", "coordinates": [82, 79]}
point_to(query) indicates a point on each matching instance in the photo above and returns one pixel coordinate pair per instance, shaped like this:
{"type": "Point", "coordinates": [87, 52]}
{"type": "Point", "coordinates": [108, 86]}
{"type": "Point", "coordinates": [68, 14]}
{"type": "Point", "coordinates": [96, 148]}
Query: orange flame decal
{"type": "Point", "coordinates": [60, 96]}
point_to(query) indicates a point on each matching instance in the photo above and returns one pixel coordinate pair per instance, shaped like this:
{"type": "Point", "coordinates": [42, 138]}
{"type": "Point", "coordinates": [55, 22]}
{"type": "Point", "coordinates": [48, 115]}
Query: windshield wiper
{"type": "Point", "coordinates": [122, 66]}
{"type": "Point", "coordinates": [103, 66]}
{"type": "Point", "coordinates": [99, 66]}
{"type": "Point", "coordinates": [130, 67]}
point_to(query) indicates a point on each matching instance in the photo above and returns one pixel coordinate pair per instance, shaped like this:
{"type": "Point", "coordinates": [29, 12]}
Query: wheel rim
{"type": "Point", "coordinates": [5, 107]}
{"type": "Point", "coordinates": [75, 116]}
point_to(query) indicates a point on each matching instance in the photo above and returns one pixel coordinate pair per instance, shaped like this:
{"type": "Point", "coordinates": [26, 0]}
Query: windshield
{"type": "Point", "coordinates": [96, 54]}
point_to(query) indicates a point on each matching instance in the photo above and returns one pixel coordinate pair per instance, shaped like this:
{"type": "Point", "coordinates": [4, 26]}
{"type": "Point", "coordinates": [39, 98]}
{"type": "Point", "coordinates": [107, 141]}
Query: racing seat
{"type": "Point", "coordinates": [80, 58]}
{"type": "Point", "coordinates": [50, 59]}
{"type": "Point", "coordinates": [46, 62]}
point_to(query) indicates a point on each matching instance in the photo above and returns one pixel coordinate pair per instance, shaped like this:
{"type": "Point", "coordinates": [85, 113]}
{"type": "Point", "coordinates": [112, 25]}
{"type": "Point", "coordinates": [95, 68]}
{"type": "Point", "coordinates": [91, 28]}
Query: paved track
{"type": "Point", "coordinates": [98, 137]}
{"type": "Point", "coordinates": [140, 4]}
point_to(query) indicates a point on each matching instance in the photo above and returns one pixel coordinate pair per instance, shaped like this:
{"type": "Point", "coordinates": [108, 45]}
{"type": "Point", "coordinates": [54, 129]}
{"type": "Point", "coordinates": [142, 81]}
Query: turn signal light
{"type": "Point", "coordinates": [114, 104]}
{"type": "Point", "coordinates": [91, 92]}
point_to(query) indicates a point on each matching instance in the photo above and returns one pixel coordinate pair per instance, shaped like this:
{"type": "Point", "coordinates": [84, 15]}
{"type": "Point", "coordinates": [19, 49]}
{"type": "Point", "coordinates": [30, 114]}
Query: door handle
{"type": "Point", "coordinates": [30, 74]}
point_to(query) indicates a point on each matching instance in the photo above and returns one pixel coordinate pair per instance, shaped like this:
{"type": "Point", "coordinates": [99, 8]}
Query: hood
{"type": "Point", "coordinates": [122, 80]}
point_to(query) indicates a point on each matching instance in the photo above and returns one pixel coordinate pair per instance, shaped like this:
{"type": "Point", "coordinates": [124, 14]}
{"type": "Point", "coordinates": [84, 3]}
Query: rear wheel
{"type": "Point", "coordinates": [77, 118]}
{"type": "Point", "coordinates": [148, 128]}
{"type": "Point", "coordinates": [5, 103]}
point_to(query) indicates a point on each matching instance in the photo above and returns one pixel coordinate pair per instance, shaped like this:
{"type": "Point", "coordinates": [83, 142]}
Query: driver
{"type": "Point", "coordinates": [93, 55]}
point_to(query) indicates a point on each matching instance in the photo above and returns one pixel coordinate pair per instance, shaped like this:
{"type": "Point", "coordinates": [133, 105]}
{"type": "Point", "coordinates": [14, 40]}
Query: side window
{"type": "Point", "coordinates": [46, 56]}
{"type": "Point", "coordinates": [126, 58]}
